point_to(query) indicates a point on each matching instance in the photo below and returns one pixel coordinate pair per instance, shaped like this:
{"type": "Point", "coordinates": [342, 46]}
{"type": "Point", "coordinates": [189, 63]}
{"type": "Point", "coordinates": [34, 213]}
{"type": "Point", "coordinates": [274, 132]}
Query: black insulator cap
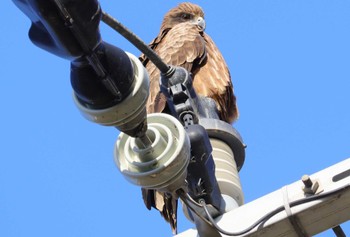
{"type": "Point", "coordinates": [91, 89]}
{"type": "Point", "coordinates": [59, 29]}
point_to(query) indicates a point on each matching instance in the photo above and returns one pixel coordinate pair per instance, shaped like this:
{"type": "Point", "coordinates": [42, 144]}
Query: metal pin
{"type": "Point", "coordinates": [307, 181]}
{"type": "Point", "coordinates": [145, 141]}
{"type": "Point", "coordinates": [311, 187]}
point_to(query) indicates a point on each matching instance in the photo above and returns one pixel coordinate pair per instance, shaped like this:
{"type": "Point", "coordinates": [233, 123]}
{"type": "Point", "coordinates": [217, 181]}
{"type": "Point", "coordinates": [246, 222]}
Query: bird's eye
{"type": "Point", "coordinates": [186, 16]}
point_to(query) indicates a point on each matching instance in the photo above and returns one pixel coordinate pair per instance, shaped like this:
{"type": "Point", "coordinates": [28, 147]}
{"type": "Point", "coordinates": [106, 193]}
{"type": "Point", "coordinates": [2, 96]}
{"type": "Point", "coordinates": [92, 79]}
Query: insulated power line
{"type": "Point", "coordinates": [136, 41]}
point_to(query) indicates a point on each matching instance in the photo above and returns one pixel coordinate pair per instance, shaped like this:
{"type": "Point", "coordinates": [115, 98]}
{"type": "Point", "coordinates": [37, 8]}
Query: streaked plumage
{"type": "Point", "coordinates": [182, 42]}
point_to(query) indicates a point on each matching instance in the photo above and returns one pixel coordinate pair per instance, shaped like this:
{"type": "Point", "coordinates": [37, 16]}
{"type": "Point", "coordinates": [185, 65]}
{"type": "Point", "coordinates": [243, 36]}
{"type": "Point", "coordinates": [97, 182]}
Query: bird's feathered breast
{"type": "Point", "coordinates": [187, 46]}
{"type": "Point", "coordinates": [182, 46]}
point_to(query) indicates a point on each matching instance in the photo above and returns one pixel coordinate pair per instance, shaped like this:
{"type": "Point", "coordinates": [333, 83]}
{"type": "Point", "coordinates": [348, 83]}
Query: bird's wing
{"type": "Point", "coordinates": [183, 46]}
{"type": "Point", "coordinates": [213, 80]}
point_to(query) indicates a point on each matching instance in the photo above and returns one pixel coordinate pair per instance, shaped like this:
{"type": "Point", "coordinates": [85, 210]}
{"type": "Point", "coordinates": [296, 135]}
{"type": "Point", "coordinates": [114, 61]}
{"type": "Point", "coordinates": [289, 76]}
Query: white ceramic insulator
{"type": "Point", "coordinates": [226, 174]}
{"type": "Point", "coordinates": [161, 166]}
{"type": "Point", "coordinates": [132, 109]}
{"type": "Point", "coordinates": [226, 171]}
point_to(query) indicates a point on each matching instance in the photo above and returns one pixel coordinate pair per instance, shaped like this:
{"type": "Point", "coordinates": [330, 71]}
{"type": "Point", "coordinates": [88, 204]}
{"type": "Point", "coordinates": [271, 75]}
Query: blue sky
{"type": "Point", "coordinates": [290, 65]}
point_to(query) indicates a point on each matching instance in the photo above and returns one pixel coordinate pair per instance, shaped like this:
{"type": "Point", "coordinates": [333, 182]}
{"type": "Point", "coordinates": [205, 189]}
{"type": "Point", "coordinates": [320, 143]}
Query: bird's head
{"type": "Point", "coordinates": [184, 12]}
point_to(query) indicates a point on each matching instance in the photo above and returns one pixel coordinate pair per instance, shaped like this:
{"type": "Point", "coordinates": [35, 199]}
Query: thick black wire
{"type": "Point", "coordinates": [270, 214]}
{"type": "Point", "coordinates": [136, 41]}
{"type": "Point", "coordinates": [338, 231]}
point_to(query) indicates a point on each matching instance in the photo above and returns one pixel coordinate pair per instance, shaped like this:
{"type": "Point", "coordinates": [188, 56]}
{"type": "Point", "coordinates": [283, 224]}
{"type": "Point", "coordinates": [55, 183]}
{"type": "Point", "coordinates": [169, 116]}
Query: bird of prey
{"type": "Point", "coordinates": [183, 42]}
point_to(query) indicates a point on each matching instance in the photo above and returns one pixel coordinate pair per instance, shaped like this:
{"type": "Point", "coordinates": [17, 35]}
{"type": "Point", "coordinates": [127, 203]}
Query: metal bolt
{"type": "Point", "coordinates": [311, 187]}
{"type": "Point", "coordinates": [307, 181]}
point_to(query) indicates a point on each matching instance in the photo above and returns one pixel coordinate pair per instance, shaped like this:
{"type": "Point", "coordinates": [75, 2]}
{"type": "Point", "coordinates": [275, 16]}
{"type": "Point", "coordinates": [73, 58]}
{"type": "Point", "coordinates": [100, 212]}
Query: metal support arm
{"type": "Point", "coordinates": [271, 215]}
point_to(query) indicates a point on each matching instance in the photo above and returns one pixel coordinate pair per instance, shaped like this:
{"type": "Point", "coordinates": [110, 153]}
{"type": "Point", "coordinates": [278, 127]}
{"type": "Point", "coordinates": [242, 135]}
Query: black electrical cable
{"type": "Point", "coordinates": [188, 201]}
{"type": "Point", "coordinates": [338, 231]}
{"type": "Point", "coordinates": [270, 214]}
{"type": "Point", "coordinates": [136, 41]}
{"type": "Point", "coordinates": [188, 197]}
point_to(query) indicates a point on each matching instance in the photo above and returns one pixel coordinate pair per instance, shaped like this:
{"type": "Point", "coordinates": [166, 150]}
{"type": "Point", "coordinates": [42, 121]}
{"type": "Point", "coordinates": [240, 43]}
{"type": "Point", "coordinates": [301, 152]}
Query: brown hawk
{"type": "Point", "coordinates": [183, 42]}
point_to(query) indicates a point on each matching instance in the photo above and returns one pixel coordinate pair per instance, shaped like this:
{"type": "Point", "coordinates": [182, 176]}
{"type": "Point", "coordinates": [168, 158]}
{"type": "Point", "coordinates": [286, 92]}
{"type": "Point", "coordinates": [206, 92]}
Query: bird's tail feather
{"type": "Point", "coordinates": [165, 203]}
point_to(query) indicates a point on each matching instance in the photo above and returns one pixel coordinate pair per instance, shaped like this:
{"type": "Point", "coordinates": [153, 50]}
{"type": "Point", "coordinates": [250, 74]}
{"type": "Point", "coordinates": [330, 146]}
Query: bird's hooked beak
{"type": "Point", "coordinates": [200, 22]}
